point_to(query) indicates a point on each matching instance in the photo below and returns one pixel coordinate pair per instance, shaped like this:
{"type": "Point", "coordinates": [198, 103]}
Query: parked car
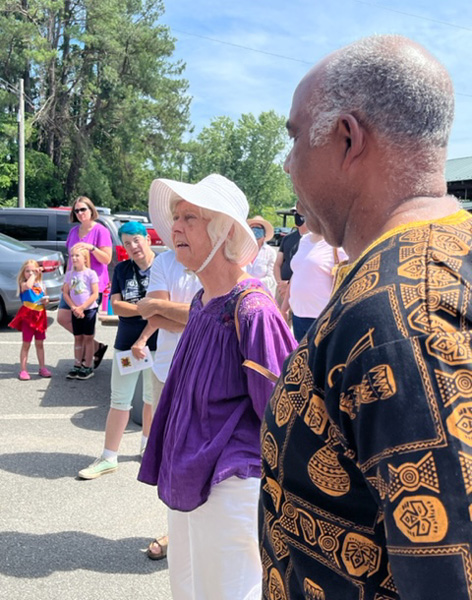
{"type": "Point", "coordinates": [467, 205]}
{"type": "Point", "coordinates": [48, 228]}
{"type": "Point", "coordinates": [13, 254]}
{"type": "Point", "coordinates": [131, 216]}
{"type": "Point", "coordinates": [156, 242]}
{"type": "Point", "coordinates": [279, 233]}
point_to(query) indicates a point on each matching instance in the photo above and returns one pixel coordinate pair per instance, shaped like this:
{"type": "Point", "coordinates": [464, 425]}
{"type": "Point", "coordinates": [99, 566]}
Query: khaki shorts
{"type": "Point", "coordinates": [157, 387]}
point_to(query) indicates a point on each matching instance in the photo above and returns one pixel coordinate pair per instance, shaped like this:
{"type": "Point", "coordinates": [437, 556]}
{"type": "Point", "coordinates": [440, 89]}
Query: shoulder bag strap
{"type": "Point", "coordinates": [250, 364]}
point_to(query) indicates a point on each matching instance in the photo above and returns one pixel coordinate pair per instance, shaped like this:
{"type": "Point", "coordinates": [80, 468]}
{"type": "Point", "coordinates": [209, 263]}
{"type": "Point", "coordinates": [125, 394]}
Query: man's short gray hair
{"type": "Point", "coordinates": [391, 87]}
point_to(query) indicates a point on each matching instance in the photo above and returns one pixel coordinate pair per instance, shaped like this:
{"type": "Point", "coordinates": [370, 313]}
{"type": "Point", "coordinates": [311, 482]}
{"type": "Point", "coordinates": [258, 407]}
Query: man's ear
{"type": "Point", "coordinates": [353, 138]}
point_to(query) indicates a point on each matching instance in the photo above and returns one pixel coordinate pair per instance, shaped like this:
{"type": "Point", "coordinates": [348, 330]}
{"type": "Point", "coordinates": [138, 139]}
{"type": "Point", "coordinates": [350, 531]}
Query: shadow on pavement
{"type": "Point", "coordinates": [72, 392]}
{"type": "Point", "coordinates": [32, 556]}
{"type": "Point", "coordinates": [62, 391]}
{"type": "Point", "coordinates": [94, 419]}
{"type": "Point", "coordinates": [51, 465]}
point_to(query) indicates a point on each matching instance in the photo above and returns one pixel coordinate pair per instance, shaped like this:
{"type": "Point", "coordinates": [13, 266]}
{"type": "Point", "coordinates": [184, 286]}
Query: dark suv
{"type": "Point", "coordinates": [48, 228]}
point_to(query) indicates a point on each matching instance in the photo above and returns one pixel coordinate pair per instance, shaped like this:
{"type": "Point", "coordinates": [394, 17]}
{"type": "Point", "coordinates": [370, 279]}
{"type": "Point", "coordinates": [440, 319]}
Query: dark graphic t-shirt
{"type": "Point", "coordinates": [131, 284]}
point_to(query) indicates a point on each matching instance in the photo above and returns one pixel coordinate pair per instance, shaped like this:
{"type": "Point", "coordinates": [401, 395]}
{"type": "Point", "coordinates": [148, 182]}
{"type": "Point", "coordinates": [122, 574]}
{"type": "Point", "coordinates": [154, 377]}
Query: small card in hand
{"type": "Point", "coordinates": [127, 363]}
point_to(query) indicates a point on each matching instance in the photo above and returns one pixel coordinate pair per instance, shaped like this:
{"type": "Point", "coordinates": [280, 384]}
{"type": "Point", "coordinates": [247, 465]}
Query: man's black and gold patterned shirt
{"type": "Point", "coordinates": [367, 440]}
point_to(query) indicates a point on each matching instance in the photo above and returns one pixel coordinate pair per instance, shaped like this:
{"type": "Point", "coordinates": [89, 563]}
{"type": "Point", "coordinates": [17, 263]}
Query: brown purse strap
{"type": "Point", "coordinates": [250, 364]}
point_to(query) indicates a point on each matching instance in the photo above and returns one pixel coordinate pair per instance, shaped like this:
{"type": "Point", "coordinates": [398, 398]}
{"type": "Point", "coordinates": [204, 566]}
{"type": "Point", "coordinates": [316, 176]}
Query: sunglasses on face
{"type": "Point", "coordinates": [79, 210]}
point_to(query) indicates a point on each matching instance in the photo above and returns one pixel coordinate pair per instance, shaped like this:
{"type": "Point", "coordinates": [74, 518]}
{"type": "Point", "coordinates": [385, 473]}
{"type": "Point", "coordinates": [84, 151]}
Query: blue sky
{"type": "Point", "coordinates": [226, 79]}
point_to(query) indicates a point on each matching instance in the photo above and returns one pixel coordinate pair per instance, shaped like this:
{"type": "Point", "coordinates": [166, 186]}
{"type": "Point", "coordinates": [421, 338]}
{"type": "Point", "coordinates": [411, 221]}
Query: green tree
{"type": "Point", "coordinates": [101, 88]}
{"type": "Point", "coordinates": [250, 152]}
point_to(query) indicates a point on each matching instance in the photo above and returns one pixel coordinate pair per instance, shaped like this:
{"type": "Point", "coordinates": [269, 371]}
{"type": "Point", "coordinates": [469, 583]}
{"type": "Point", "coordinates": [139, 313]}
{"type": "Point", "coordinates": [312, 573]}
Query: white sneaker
{"type": "Point", "coordinates": [98, 468]}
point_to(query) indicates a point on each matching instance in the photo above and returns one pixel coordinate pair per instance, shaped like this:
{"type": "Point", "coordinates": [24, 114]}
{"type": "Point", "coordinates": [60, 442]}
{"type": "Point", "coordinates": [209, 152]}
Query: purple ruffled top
{"type": "Point", "coordinates": [207, 424]}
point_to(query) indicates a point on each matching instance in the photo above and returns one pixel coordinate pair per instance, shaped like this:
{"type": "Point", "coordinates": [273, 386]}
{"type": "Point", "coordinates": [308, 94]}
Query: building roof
{"type": "Point", "coordinates": [459, 169]}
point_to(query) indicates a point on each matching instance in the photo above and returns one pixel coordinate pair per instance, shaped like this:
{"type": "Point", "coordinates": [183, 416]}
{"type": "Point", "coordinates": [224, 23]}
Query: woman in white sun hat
{"type": "Point", "coordinates": [262, 266]}
{"type": "Point", "coordinates": [203, 451]}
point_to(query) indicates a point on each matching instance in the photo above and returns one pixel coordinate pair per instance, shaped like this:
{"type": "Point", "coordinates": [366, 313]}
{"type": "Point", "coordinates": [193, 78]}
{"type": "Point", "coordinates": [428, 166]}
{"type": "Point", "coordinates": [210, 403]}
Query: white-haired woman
{"type": "Point", "coordinates": [204, 450]}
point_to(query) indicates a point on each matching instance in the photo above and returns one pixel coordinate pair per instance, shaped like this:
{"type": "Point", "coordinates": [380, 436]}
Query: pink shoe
{"type": "Point", "coordinates": [24, 376]}
{"type": "Point", "coordinates": [44, 372]}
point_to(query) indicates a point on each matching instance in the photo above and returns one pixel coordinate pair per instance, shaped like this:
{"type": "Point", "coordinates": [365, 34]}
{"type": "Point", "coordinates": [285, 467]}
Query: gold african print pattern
{"type": "Point", "coordinates": [367, 442]}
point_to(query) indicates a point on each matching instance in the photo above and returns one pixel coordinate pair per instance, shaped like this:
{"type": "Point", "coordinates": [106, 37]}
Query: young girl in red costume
{"type": "Point", "coordinates": [31, 318]}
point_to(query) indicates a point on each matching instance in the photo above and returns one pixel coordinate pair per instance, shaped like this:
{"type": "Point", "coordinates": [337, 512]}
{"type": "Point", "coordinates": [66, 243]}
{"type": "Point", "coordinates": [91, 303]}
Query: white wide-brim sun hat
{"type": "Point", "coordinates": [215, 193]}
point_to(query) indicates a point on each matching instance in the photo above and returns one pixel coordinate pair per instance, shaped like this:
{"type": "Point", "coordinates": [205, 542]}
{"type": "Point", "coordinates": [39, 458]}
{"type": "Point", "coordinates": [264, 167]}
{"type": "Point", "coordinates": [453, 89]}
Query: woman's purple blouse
{"type": "Point", "coordinates": [207, 424]}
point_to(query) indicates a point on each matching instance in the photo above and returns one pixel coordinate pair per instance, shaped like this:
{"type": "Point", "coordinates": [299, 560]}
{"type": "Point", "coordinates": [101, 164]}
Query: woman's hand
{"type": "Point", "coordinates": [85, 246]}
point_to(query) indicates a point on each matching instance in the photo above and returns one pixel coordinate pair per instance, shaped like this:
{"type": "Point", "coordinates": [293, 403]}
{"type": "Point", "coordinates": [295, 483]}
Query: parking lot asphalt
{"type": "Point", "coordinates": [61, 537]}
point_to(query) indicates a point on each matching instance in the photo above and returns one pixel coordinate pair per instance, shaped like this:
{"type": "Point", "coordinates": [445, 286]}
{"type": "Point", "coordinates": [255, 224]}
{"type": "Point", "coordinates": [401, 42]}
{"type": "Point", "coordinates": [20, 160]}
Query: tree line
{"type": "Point", "coordinates": [108, 110]}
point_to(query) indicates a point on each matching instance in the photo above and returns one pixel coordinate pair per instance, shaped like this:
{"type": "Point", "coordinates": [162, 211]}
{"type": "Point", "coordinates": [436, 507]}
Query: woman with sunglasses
{"type": "Point", "coordinates": [95, 238]}
{"type": "Point", "coordinates": [262, 266]}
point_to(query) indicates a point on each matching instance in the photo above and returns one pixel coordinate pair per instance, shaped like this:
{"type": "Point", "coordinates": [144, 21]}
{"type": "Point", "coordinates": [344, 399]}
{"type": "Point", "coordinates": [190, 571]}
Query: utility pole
{"type": "Point", "coordinates": [21, 146]}
{"type": "Point", "coordinates": [21, 135]}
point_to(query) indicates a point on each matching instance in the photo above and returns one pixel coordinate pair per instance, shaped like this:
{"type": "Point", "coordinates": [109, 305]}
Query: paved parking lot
{"type": "Point", "coordinates": [62, 537]}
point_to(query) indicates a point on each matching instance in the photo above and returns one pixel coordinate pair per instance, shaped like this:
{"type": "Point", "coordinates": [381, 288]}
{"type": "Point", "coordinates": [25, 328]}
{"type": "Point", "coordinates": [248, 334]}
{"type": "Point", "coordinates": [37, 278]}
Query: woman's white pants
{"type": "Point", "coordinates": [213, 550]}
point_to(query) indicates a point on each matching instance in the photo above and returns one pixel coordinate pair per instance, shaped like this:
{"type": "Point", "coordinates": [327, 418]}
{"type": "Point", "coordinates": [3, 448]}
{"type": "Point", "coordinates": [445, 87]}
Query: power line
{"type": "Point", "coordinates": [204, 37]}
{"type": "Point", "coordinates": [399, 12]}
{"type": "Point", "coordinates": [241, 46]}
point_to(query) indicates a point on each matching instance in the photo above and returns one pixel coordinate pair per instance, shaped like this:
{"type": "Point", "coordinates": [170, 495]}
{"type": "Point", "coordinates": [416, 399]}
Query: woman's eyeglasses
{"type": "Point", "coordinates": [79, 210]}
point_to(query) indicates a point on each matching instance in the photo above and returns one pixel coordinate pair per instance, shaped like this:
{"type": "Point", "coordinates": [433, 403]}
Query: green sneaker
{"type": "Point", "coordinates": [85, 373]}
{"type": "Point", "coordinates": [98, 468]}
{"type": "Point", "coordinates": [74, 372]}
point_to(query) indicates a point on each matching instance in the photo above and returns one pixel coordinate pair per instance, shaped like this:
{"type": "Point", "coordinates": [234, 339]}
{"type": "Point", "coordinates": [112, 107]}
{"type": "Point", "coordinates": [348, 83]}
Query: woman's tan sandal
{"type": "Point", "coordinates": [157, 549]}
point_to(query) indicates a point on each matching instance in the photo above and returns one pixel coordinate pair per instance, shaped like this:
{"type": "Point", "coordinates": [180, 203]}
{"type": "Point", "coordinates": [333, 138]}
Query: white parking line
{"type": "Point", "coordinates": [47, 343]}
{"type": "Point", "coordinates": [40, 417]}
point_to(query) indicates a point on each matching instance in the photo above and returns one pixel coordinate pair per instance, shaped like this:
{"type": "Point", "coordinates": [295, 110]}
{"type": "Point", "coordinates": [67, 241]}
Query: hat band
{"type": "Point", "coordinates": [216, 247]}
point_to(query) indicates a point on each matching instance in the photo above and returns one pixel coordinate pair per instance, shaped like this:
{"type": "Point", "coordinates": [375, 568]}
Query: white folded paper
{"type": "Point", "coordinates": [128, 364]}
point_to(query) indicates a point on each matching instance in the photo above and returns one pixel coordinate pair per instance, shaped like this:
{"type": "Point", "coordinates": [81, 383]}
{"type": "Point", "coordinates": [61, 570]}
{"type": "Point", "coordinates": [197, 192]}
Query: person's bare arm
{"type": "Point", "coordinates": [66, 294]}
{"type": "Point", "coordinates": [281, 283]}
{"type": "Point", "coordinates": [159, 300]}
{"type": "Point", "coordinates": [285, 308]}
{"type": "Point", "coordinates": [28, 284]}
{"type": "Point", "coordinates": [121, 308]}
{"type": "Point", "coordinates": [278, 266]}
{"type": "Point", "coordinates": [159, 304]}
{"type": "Point", "coordinates": [103, 254]}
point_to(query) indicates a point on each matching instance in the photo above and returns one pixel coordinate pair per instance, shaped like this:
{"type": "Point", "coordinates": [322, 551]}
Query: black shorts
{"type": "Point", "coordinates": [85, 326]}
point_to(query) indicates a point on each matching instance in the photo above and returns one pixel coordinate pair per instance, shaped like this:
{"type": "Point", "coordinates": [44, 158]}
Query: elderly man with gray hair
{"type": "Point", "coordinates": [366, 443]}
